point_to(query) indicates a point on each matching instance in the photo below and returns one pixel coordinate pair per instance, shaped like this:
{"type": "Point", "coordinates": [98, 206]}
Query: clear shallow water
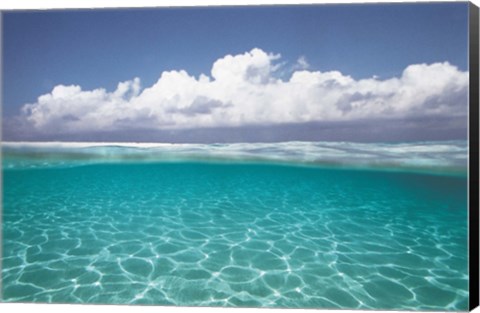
{"type": "Point", "coordinates": [435, 157]}
{"type": "Point", "coordinates": [80, 229]}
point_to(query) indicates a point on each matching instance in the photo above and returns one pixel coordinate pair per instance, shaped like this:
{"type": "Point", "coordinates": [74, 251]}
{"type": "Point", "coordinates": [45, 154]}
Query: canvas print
{"type": "Point", "coordinates": [303, 156]}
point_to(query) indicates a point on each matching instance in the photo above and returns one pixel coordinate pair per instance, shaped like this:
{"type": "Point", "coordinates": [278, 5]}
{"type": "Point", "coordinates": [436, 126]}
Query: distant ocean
{"type": "Point", "coordinates": [293, 224]}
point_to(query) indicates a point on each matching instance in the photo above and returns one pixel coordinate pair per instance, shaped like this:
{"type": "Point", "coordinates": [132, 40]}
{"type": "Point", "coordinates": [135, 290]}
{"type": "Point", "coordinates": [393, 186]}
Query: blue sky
{"type": "Point", "coordinates": [100, 48]}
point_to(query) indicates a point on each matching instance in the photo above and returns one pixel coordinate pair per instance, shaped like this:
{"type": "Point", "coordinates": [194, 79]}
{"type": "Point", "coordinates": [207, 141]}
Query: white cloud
{"type": "Point", "coordinates": [302, 63]}
{"type": "Point", "coordinates": [245, 90]}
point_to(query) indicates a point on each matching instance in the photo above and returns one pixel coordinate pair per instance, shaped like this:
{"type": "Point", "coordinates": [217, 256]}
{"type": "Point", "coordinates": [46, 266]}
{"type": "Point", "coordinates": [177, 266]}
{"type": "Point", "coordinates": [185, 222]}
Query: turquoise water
{"type": "Point", "coordinates": [80, 228]}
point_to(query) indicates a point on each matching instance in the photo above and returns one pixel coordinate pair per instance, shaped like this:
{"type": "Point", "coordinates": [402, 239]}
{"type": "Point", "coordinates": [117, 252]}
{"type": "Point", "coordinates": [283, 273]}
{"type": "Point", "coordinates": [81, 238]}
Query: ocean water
{"type": "Point", "coordinates": [297, 225]}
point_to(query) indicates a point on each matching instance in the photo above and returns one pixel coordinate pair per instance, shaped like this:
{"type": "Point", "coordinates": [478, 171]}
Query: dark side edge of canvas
{"type": "Point", "coordinates": [473, 157]}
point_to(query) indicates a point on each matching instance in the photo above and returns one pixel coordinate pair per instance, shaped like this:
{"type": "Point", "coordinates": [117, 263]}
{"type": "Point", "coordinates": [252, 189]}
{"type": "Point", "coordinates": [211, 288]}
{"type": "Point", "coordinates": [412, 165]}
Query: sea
{"type": "Point", "coordinates": [325, 225]}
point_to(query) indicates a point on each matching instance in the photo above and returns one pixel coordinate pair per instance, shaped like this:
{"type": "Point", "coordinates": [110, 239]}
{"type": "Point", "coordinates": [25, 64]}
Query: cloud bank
{"type": "Point", "coordinates": [245, 90]}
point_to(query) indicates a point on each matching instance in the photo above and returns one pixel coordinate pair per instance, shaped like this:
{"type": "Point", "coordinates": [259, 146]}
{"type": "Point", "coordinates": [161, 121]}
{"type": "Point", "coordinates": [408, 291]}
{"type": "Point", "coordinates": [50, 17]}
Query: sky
{"type": "Point", "coordinates": [391, 72]}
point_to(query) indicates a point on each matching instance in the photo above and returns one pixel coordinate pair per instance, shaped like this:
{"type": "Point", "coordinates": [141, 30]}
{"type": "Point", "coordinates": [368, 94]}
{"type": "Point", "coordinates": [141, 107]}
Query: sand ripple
{"type": "Point", "coordinates": [244, 235]}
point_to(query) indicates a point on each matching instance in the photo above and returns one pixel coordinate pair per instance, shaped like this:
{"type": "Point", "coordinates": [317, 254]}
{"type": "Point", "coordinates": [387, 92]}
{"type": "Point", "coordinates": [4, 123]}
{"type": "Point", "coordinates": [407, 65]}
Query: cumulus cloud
{"type": "Point", "coordinates": [244, 90]}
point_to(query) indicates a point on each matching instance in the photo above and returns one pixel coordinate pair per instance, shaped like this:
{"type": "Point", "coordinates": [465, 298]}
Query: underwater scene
{"type": "Point", "coordinates": [324, 225]}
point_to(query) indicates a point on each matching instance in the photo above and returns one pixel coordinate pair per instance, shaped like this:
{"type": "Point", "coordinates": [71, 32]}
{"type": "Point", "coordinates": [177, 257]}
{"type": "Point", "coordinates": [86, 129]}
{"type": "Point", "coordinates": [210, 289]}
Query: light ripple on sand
{"type": "Point", "coordinates": [178, 234]}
